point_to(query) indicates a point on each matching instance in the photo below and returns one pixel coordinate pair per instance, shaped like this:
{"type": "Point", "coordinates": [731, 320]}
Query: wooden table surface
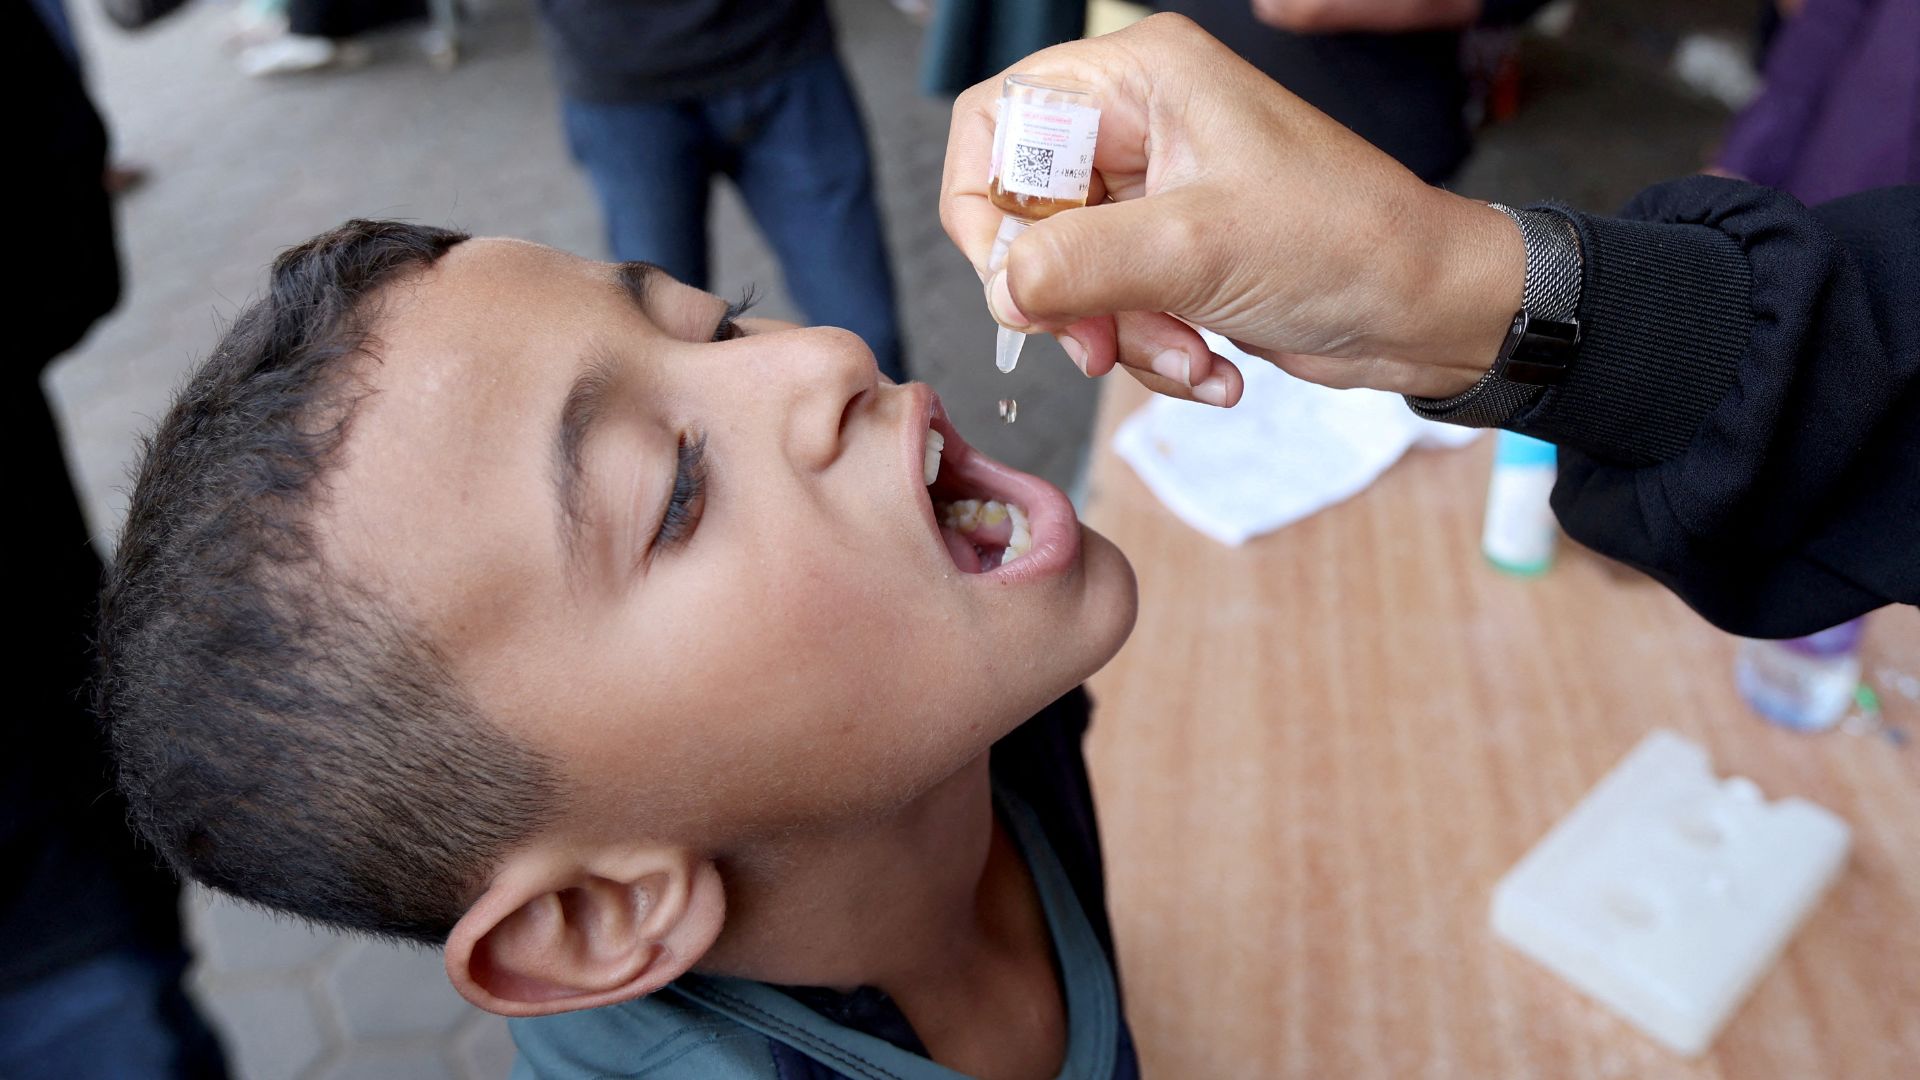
{"type": "Point", "coordinates": [1319, 752]}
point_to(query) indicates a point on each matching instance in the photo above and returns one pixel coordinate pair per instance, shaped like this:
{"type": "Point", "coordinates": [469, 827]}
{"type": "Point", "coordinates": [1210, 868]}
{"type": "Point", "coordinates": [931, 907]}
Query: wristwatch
{"type": "Point", "coordinates": [1541, 344]}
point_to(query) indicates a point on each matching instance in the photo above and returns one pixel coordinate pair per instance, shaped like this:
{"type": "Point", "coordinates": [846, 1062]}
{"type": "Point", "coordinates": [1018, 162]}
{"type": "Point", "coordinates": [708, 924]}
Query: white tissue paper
{"type": "Point", "coordinates": [1288, 449]}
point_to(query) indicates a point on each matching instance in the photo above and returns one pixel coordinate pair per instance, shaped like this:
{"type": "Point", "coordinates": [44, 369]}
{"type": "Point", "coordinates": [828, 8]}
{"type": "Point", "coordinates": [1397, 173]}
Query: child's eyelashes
{"type": "Point", "coordinates": [728, 330]}
{"type": "Point", "coordinates": [689, 498]}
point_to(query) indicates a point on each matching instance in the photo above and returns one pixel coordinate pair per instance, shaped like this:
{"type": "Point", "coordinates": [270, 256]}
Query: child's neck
{"type": "Point", "coordinates": [932, 905]}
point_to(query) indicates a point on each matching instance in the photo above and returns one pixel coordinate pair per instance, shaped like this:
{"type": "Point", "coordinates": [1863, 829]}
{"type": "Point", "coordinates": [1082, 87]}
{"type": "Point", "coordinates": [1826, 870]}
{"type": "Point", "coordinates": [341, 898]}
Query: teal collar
{"type": "Point", "coordinates": [1093, 999]}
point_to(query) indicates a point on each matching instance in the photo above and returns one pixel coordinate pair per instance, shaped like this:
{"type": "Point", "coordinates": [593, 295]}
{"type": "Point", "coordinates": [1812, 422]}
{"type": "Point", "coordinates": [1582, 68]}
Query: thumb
{"type": "Point", "coordinates": [1138, 255]}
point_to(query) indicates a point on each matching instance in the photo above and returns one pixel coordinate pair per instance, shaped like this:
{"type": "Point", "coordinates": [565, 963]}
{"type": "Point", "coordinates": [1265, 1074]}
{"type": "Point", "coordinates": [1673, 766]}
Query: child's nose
{"type": "Point", "coordinates": [823, 371]}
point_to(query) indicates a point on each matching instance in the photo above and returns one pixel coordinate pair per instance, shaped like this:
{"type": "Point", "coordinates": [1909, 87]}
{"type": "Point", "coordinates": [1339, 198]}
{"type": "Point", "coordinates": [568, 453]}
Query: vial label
{"type": "Point", "coordinates": [1046, 151]}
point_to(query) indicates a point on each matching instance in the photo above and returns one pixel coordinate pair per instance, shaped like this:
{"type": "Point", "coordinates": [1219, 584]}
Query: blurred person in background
{"type": "Point", "coordinates": [90, 976]}
{"type": "Point", "coordinates": [661, 96]}
{"type": "Point", "coordinates": [1391, 70]}
{"type": "Point", "coordinates": [120, 176]}
{"type": "Point", "coordinates": [968, 40]}
{"type": "Point", "coordinates": [288, 37]}
{"type": "Point", "coordinates": [1840, 108]}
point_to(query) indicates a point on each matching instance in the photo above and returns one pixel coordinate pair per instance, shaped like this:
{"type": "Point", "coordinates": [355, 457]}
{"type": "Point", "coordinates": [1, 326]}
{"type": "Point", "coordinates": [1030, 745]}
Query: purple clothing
{"type": "Point", "coordinates": [1841, 110]}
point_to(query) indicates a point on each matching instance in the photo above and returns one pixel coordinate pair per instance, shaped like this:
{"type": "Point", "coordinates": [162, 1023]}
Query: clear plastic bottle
{"type": "Point", "coordinates": [1520, 530]}
{"type": "Point", "coordinates": [1801, 683]}
{"type": "Point", "coordinates": [1042, 164]}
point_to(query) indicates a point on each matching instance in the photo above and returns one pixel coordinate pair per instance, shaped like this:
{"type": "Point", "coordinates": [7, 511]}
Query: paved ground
{"type": "Point", "coordinates": [243, 168]}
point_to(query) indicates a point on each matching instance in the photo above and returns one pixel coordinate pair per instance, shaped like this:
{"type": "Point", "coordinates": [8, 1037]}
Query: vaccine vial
{"type": "Point", "coordinates": [1042, 164]}
{"type": "Point", "coordinates": [1803, 683]}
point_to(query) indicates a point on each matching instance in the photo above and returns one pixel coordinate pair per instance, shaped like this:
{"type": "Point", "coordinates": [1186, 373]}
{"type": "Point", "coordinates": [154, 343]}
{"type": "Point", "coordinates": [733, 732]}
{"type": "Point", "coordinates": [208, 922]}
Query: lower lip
{"type": "Point", "coordinates": [1051, 522]}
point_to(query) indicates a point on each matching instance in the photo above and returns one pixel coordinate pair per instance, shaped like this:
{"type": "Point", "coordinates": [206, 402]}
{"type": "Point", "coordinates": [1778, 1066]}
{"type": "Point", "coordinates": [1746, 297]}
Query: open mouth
{"type": "Point", "coordinates": [993, 519]}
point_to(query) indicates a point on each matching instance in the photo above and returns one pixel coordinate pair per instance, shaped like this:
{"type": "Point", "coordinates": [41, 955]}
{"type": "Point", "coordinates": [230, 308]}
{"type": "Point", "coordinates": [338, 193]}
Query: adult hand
{"type": "Point", "coordinates": [1233, 205]}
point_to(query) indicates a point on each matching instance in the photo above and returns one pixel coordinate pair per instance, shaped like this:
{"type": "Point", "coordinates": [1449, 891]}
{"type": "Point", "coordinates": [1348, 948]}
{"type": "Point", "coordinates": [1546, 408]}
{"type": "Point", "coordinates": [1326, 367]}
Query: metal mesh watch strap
{"type": "Point", "coordinates": [1551, 291]}
{"type": "Point", "coordinates": [1487, 403]}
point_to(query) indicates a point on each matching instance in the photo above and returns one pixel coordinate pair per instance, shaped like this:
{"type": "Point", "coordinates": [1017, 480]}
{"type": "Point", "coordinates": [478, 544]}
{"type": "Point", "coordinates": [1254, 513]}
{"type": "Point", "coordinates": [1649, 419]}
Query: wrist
{"type": "Point", "coordinates": [1471, 270]}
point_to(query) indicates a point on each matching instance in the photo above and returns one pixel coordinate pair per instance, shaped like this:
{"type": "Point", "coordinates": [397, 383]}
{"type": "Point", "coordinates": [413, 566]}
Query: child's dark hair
{"type": "Point", "coordinates": [281, 734]}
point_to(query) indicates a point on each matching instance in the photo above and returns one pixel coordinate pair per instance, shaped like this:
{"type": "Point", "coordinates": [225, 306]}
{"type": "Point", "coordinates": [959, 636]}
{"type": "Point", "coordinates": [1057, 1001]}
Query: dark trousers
{"type": "Point", "coordinates": [90, 984]}
{"type": "Point", "coordinates": [795, 147]}
{"type": "Point", "coordinates": [345, 18]}
{"type": "Point", "coordinates": [120, 1015]}
{"type": "Point", "coordinates": [90, 953]}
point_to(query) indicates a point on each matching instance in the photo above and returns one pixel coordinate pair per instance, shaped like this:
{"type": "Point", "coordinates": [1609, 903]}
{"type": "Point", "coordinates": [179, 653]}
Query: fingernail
{"type": "Point", "coordinates": [1212, 390]}
{"type": "Point", "coordinates": [1075, 351]}
{"type": "Point", "coordinates": [1172, 364]}
{"type": "Point", "coordinates": [1000, 302]}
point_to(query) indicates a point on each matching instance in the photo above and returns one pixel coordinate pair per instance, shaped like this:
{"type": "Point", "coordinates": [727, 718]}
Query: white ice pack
{"type": "Point", "coordinates": [1667, 892]}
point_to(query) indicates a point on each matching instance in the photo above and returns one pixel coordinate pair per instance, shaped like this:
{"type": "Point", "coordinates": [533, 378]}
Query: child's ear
{"type": "Point", "coordinates": [553, 935]}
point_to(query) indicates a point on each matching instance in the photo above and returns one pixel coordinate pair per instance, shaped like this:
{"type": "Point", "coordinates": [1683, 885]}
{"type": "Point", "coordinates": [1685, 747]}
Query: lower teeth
{"type": "Point", "coordinates": [1022, 540]}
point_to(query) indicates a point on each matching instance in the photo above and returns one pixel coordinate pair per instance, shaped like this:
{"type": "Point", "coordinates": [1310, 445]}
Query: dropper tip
{"type": "Point", "coordinates": [1006, 349]}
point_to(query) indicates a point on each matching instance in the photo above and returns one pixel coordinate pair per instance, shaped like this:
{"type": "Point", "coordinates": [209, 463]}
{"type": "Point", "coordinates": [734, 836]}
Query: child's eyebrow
{"type": "Point", "coordinates": [638, 278]}
{"type": "Point", "coordinates": [584, 405]}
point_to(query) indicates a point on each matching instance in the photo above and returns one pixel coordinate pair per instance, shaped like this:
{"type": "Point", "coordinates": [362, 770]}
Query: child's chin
{"type": "Point", "coordinates": [1089, 633]}
{"type": "Point", "coordinates": [1112, 598]}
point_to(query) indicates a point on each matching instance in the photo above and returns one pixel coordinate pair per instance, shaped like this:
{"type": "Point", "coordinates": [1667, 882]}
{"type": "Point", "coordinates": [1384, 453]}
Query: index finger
{"type": "Point", "coordinates": [965, 211]}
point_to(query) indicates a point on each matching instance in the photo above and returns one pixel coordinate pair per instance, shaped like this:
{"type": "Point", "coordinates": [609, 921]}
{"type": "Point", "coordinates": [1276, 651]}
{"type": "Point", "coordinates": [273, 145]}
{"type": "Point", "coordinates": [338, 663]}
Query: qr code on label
{"type": "Point", "coordinates": [1032, 165]}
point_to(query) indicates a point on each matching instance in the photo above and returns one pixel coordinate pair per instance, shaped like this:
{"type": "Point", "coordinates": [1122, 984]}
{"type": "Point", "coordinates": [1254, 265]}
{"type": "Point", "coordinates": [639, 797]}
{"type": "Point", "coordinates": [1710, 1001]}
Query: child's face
{"type": "Point", "coordinates": [797, 644]}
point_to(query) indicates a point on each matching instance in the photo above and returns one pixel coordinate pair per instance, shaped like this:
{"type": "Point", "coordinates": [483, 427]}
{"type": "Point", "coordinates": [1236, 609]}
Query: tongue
{"type": "Point", "coordinates": [995, 534]}
{"type": "Point", "coordinates": [964, 554]}
{"type": "Point", "coordinates": [978, 546]}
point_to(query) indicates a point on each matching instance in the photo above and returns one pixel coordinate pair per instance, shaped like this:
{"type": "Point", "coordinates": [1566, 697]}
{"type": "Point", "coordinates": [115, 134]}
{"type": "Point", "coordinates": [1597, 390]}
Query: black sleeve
{"type": "Point", "coordinates": [1743, 421]}
{"type": "Point", "coordinates": [1507, 12]}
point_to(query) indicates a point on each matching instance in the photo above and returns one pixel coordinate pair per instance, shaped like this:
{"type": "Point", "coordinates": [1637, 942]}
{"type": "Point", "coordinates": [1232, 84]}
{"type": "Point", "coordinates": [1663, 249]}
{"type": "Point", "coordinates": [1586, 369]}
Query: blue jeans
{"type": "Point", "coordinates": [795, 147]}
{"type": "Point", "coordinates": [121, 1015]}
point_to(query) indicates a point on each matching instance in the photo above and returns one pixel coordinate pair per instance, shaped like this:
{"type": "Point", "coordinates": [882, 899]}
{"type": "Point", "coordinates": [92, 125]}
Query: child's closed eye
{"type": "Point", "coordinates": [689, 498]}
{"type": "Point", "coordinates": [728, 329]}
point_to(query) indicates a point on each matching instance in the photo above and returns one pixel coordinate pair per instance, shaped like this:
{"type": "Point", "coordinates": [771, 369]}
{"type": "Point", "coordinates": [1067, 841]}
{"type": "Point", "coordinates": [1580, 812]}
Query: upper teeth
{"type": "Point", "coordinates": [930, 468]}
{"type": "Point", "coordinates": [971, 514]}
{"type": "Point", "coordinates": [968, 515]}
